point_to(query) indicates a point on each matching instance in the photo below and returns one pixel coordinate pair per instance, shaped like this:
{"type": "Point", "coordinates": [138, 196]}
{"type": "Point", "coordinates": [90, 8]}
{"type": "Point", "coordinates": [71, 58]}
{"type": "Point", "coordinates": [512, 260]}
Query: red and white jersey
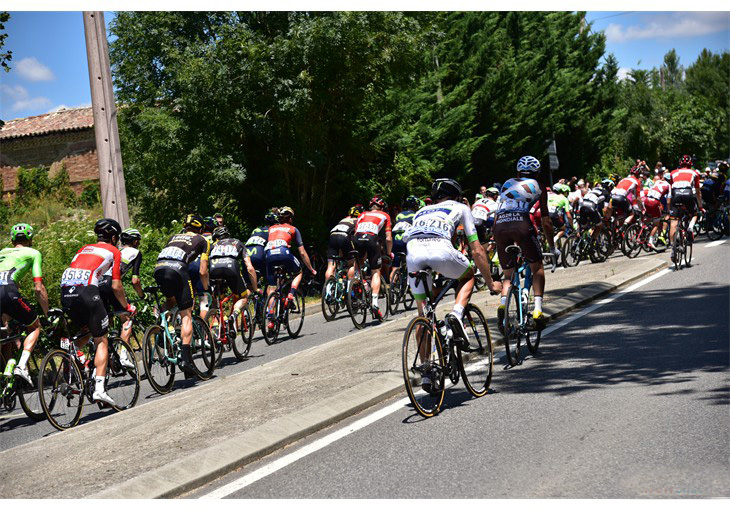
{"type": "Point", "coordinates": [373, 222]}
{"type": "Point", "coordinates": [628, 187]}
{"type": "Point", "coordinates": [660, 189]}
{"type": "Point", "coordinates": [90, 263]}
{"type": "Point", "coordinates": [484, 208]}
{"type": "Point", "coordinates": [685, 178]}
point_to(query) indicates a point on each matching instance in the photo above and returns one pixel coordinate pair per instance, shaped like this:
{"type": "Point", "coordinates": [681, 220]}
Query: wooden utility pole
{"type": "Point", "coordinates": [108, 150]}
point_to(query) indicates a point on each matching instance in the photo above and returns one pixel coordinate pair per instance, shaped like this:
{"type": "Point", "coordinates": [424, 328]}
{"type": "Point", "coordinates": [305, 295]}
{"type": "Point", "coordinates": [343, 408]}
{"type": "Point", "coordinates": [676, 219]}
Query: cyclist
{"type": "Point", "coordinates": [483, 213]}
{"type": "Point", "coordinates": [512, 225]}
{"type": "Point", "coordinates": [430, 245]}
{"type": "Point", "coordinates": [209, 224]}
{"type": "Point", "coordinates": [654, 203]}
{"type": "Point", "coordinates": [257, 242]}
{"type": "Point", "coordinates": [227, 258]}
{"type": "Point", "coordinates": [559, 208]}
{"type": "Point", "coordinates": [625, 195]}
{"type": "Point", "coordinates": [372, 226]}
{"type": "Point", "coordinates": [82, 301]}
{"type": "Point", "coordinates": [172, 274]}
{"type": "Point", "coordinates": [15, 262]}
{"type": "Point", "coordinates": [685, 194]}
{"type": "Point", "coordinates": [403, 221]}
{"type": "Point", "coordinates": [340, 240]}
{"type": "Point", "coordinates": [282, 237]}
{"type": "Point", "coordinates": [589, 214]}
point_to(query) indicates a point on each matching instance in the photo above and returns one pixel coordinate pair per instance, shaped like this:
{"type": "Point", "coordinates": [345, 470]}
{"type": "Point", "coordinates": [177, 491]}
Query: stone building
{"type": "Point", "coordinates": [62, 138]}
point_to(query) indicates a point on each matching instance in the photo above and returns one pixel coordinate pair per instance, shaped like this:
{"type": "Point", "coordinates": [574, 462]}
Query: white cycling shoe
{"type": "Point", "coordinates": [23, 372]}
{"type": "Point", "coordinates": [102, 396]}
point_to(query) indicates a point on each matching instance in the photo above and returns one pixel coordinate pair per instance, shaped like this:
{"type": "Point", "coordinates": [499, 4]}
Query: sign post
{"type": "Point", "coordinates": [553, 157]}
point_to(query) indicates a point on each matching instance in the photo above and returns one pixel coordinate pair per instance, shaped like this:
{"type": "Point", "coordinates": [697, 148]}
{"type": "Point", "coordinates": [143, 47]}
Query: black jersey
{"type": "Point", "coordinates": [346, 227]}
{"type": "Point", "coordinates": [185, 248]}
{"type": "Point", "coordinates": [229, 248]}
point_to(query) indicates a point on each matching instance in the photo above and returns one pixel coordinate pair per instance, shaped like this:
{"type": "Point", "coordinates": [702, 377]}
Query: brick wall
{"type": "Point", "coordinates": [75, 149]}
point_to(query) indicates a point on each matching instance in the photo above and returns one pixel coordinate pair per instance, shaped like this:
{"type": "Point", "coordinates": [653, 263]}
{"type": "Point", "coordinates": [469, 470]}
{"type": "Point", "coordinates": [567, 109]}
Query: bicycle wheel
{"type": "Point", "coordinates": [512, 333]}
{"type": "Point", "coordinates": [357, 304]}
{"type": "Point", "coordinates": [631, 246]}
{"type": "Point", "coordinates": [384, 301]}
{"type": "Point", "coordinates": [294, 316]}
{"type": "Point", "coordinates": [272, 303]}
{"type": "Point", "coordinates": [395, 290]}
{"type": "Point", "coordinates": [62, 392]}
{"type": "Point", "coordinates": [571, 252]}
{"type": "Point", "coordinates": [532, 338]}
{"type": "Point", "coordinates": [216, 331]}
{"type": "Point", "coordinates": [688, 242]}
{"type": "Point", "coordinates": [678, 245]}
{"type": "Point", "coordinates": [28, 394]}
{"type": "Point", "coordinates": [476, 361]}
{"type": "Point", "coordinates": [202, 349]}
{"type": "Point", "coordinates": [330, 304]}
{"type": "Point", "coordinates": [122, 375]}
{"type": "Point", "coordinates": [715, 226]}
{"type": "Point", "coordinates": [423, 356]}
{"type": "Point", "coordinates": [243, 335]}
{"type": "Point", "coordinates": [157, 353]}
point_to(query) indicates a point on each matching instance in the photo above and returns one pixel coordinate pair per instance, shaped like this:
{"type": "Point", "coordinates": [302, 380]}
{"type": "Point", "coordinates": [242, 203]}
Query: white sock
{"type": "Point", "coordinates": [458, 311]}
{"type": "Point", "coordinates": [538, 303]}
{"type": "Point", "coordinates": [375, 300]}
{"type": "Point", "coordinates": [24, 359]}
{"type": "Point", "coordinates": [99, 384]}
{"type": "Point", "coordinates": [503, 300]}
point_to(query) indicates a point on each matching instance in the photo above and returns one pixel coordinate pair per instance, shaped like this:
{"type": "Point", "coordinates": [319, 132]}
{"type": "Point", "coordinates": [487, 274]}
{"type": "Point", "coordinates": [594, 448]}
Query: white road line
{"type": "Point", "coordinates": [715, 243]}
{"type": "Point", "coordinates": [323, 442]}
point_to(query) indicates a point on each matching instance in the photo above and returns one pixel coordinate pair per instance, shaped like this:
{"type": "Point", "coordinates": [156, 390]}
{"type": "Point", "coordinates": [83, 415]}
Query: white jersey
{"type": "Point", "coordinates": [575, 196]}
{"type": "Point", "coordinates": [518, 195]}
{"type": "Point", "coordinates": [128, 256]}
{"type": "Point", "coordinates": [484, 208]}
{"type": "Point", "coordinates": [440, 221]}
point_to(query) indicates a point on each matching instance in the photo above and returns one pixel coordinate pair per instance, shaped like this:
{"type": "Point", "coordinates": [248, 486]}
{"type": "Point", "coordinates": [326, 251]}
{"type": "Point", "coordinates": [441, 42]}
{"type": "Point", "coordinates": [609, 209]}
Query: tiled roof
{"type": "Point", "coordinates": [72, 119]}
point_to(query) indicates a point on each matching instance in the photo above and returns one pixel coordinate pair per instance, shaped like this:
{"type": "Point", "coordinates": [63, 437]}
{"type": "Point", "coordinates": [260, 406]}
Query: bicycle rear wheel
{"type": "Point", "coordinates": [62, 392]}
{"type": "Point", "coordinates": [28, 395]}
{"type": "Point", "coordinates": [384, 300]}
{"type": "Point", "coordinates": [330, 304]}
{"type": "Point", "coordinates": [294, 316]}
{"type": "Point", "coordinates": [571, 252]}
{"type": "Point", "coordinates": [243, 335]}
{"type": "Point", "coordinates": [216, 331]}
{"type": "Point", "coordinates": [202, 349]}
{"type": "Point", "coordinates": [122, 375]}
{"type": "Point", "coordinates": [512, 333]}
{"type": "Point", "coordinates": [272, 303]}
{"type": "Point", "coordinates": [357, 304]}
{"type": "Point", "coordinates": [476, 361]}
{"type": "Point", "coordinates": [631, 246]}
{"type": "Point", "coordinates": [532, 338]}
{"type": "Point", "coordinates": [395, 290]}
{"type": "Point", "coordinates": [157, 351]}
{"type": "Point", "coordinates": [688, 242]}
{"type": "Point", "coordinates": [422, 356]}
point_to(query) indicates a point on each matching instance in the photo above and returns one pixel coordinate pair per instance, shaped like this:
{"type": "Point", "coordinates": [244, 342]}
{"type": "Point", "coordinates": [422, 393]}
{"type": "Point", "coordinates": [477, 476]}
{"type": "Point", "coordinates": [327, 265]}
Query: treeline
{"type": "Point", "coordinates": [236, 112]}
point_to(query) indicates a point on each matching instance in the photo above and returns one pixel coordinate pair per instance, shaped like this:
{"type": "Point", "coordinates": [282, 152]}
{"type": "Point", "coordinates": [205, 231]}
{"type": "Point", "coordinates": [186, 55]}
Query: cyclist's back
{"type": "Point", "coordinates": [227, 259]}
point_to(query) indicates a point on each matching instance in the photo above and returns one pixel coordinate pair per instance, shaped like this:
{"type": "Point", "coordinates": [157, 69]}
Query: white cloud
{"type": "Point", "coordinates": [20, 99]}
{"type": "Point", "coordinates": [31, 69]}
{"type": "Point", "coordinates": [623, 73]}
{"type": "Point", "coordinates": [673, 25]}
{"type": "Point", "coordinates": [64, 107]}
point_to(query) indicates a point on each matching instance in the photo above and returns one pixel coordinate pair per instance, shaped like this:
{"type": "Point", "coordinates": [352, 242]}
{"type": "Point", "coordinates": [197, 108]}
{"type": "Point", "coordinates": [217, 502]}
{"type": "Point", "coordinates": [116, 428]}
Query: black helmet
{"type": "Point", "coordinates": [445, 188]}
{"type": "Point", "coordinates": [107, 228]}
{"type": "Point", "coordinates": [411, 202]}
{"type": "Point", "coordinates": [209, 223]}
{"type": "Point", "coordinates": [194, 220]}
{"type": "Point", "coordinates": [221, 233]}
{"type": "Point", "coordinates": [271, 218]}
{"type": "Point", "coordinates": [129, 235]}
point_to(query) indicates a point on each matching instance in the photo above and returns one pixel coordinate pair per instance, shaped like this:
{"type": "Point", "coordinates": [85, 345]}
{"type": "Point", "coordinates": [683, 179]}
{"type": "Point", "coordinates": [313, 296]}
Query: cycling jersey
{"type": "Point", "coordinates": [185, 248]}
{"type": "Point", "coordinates": [345, 228]}
{"type": "Point", "coordinates": [483, 209]}
{"type": "Point", "coordinates": [557, 202]}
{"type": "Point", "coordinates": [373, 223]}
{"type": "Point", "coordinates": [441, 220]}
{"type": "Point", "coordinates": [659, 191]}
{"type": "Point", "coordinates": [131, 259]}
{"type": "Point", "coordinates": [627, 187]}
{"type": "Point", "coordinates": [90, 263]}
{"type": "Point", "coordinates": [229, 248]}
{"type": "Point", "coordinates": [519, 194]}
{"type": "Point", "coordinates": [283, 236]}
{"type": "Point", "coordinates": [402, 222]}
{"type": "Point", "coordinates": [259, 237]}
{"type": "Point", "coordinates": [226, 263]}
{"type": "Point", "coordinates": [685, 179]}
{"type": "Point", "coordinates": [15, 262]}
{"type": "Point", "coordinates": [596, 197]}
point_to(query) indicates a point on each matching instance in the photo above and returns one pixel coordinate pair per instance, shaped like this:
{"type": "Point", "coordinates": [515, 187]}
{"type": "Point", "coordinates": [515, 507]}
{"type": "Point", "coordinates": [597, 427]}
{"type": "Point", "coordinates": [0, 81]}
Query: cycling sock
{"type": "Point", "coordinates": [375, 300]}
{"type": "Point", "coordinates": [24, 359]}
{"type": "Point", "coordinates": [458, 311]}
{"type": "Point", "coordinates": [538, 303]}
{"type": "Point", "coordinates": [503, 300]}
{"type": "Point", "coordinates": [293, 291]}
{"type": "Point", "coordinates": [186, 352]}
{"type": "Point", "coordinates": [99, 384]}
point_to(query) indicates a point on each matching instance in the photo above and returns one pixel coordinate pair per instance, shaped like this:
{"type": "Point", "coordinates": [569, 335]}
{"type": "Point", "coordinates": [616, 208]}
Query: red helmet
{"type": "Point", "coordinates": [376, 200]}
{"type": "Point", "coordinates": [685, 161]}
{"type": "Point", "coordinates": [635, 170]}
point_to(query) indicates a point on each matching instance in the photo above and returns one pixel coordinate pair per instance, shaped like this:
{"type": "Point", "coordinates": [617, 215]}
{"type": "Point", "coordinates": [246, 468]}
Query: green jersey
{"type": "Point", "coordinates": [556, 202]}
{"type": "Point", "coordinates": [15, 262]}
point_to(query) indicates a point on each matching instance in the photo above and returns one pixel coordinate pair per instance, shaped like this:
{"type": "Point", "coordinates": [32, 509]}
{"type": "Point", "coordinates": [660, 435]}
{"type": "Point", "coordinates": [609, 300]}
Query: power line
{"type": "Point", "coordinates": [613, 15]}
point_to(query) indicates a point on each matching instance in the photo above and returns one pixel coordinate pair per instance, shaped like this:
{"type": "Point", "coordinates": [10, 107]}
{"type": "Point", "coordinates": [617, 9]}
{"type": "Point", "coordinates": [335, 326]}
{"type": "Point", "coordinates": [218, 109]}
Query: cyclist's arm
{"type": "Point", "coordinates": [117, 286]}
{"type": "Point", "coordinates": [698, 194]}
{"type": "Point", "coordinates": [480, 259]}
{"type": "Point", "coordinates": [547, 225]}
{"type": "Point", "coordinates": [388, 242]}
{"type": "Point", "coordinates": [136, 282]}
{"type": "Point", "coordinates": [41, 295]}
{"type": "Point", "coordinates": [305, 258]}
{"type": "Point", "coordinates": [204, 266]}
{"type": "Point", "coordinates": [251, 273]}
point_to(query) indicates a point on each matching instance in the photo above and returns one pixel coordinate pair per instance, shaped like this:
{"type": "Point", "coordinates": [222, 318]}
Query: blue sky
{"type": "Point", "coordinates": [49, 67]}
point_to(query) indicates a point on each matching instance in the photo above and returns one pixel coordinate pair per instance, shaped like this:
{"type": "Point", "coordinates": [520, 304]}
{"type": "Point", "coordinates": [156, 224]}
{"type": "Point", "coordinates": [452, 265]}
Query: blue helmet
{"type": "Point", "coordinates": [528, 165]}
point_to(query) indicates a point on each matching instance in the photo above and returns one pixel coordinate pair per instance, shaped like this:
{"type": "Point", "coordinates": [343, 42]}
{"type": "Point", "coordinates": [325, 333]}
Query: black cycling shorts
{"type": "Point", "coordinates": [339, 246]}
{"type": "Point", "coordinates": [367, 244]}
{"type": "Point", "coordinates": [86, 308]}
{"type": "Point", "coordinates": [172, 277]}
{"type": "Point", "coordinates": [516, 228]}
{"type": "Point", "coordinates": [557, 219]}
{"type": "Point", "coordinates": [111, 302]}
{"type": "Point", "coordinates": [682, 199]}
{"type": "Point", "coordinates": [588, 216]}
{"type": "Point", "coordinates": [12, 304]}
{"type": "Point", "coordinates": [229, 271]}
{"type": "Point", "coordinates": [258, 259]}
{"type": "Point", "coordinates": [621, 203]}
{"type": "Point", "coordinates": [399, 248]}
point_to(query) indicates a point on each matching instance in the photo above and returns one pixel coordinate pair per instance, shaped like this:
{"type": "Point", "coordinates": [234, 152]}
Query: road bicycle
{"type": "Point", "coordinates": [68, 377]}
{"type": "Point", "coordinates": [581, 245]}
{"type": "Point", "coordinates": [359, 294]}
{"type": "Point", "coordinates": [162, 347]}
{"type": "Point", "coordinates": [335, 290]}
{"type": "Point", "coordinates": [13, 388]}
{"type": "Point", "coordinates": [279, 311]}
{"type": "Point", "coordinates": [637, 237]}
{"type": "Point", "coordinates": [718, 223]}
{"type": "Point", "coordinates": [400, 291]}
{"type": "Point", "coordinates": [431, 350]}
{"type": "Point", "coordinates": [225, 328]}
{"type": "Point", "coordinates": [683, 240]}
{"type": "Point", "coordinates": [518, 323]}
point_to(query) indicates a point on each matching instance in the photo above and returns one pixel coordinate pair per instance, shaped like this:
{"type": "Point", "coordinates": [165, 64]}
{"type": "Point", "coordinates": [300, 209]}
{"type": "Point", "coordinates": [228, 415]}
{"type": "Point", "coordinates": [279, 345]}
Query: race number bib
{"type": "Point", "coordinates": [367, 227]}
{"type": "Point", "coordinates": [72, 276]}
{"type": "Point", "coordinates": [256, 241]}
{"type": "Point", "coordinates": [276, 243]}
{"type": "Point", "coordinates": [401, 226]}
{"type": "Point", "coordinates": [4, 277]}
{"type": "Point", "coordinates": [654, 194]}
{"type": "Point", "coordinates": [434, 225]}
{"type": "Point", "coordinates": [227, 250]}
{"type": "Point", "coordinates": [480, 213]}
{"type": "Point", "coordinates": [172, 253]}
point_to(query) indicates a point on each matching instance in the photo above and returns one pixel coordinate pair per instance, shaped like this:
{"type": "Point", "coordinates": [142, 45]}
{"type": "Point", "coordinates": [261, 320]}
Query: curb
{"type": "Point", "coordinates": [192, 472]}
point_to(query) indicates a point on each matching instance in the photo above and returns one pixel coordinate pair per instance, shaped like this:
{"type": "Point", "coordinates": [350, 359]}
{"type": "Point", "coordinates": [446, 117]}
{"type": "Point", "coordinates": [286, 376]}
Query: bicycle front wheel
{"type": "Point", "coordinates": [156, 354]}
{"type": "Point", "coordinates": [512, 328]}
{"type": "Point", "coordinates": [357, 304]}
{"type": "Point", "coordinates": [395, 290]}
{"type": "Point", "coordinates": [271, 312]}
{"type": "Point", "coordinates": [423, 367]}
{"type": "Point", "coordinates": [122, 375]}
{"type": "Point", "coordinates": [688, 242]}
{"type": "Point", "coordinates": [28, 395]}
{"type": "Point", "coordinates": [330, 303]}
{"type": "Point", "coordinates": [243, 335]}
{"type": "Point", "coordinates": [61, 389]}
{"type": "Point", "coordinates": [295, 316]}
{"type": "Point", "coordinates": [477, 360]}
{"type": "Point", "coordinates": [571, 252]}
{"type": "Point", "coordinates": [217, 330]}
{"type": "Point", "coordinates": [202, 349]}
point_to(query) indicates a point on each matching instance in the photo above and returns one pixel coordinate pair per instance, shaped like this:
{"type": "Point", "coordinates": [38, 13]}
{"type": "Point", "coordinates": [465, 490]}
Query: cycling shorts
{"type": "Point", "coordinates": [708, 197]}
{"type": "Point", "coordinates": [173, 279]}
{"type": "Point", "coordinates": [399, 248]}
{"type": "Point", "coordinates": [12, 304]}
{"type": "Point", "coordinates": [484, 228]}
{"type": "Point", "coordinates": [367, 244]}
{"type": "Point", "coordinates": [258, 259]}
{"type": "Point", "coordinates": [111, 303]}
{"type": "Point", "coordinates": [228, 270]}
{"type": "Point", "coordinates": [557, 219]}
{"type": "Point", "coordinates": [588, 215]}
{"type": "Point", "coordinates": [437, 254]}
{"type": "Point", "coordinates": [194, 276]}
{"type": "Point", "coordinates": [281, 257]}
{"type": "Point", "coordinates": [516, 228]}
{"type": "Point", "coordinates": [85, 307]}
{"type": "Point", "coordinates": [653, 208]}
{"type": "Point", "coordinates": [339, 246]}
{"type": "Point", "coordinates": [683, 200]}
{"type": "Point", "coordinates": [621, 204]}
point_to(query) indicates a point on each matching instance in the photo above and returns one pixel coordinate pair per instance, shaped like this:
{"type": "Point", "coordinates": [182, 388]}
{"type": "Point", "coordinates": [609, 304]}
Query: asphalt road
{"type": "Point", "coordinates": [628, 401]}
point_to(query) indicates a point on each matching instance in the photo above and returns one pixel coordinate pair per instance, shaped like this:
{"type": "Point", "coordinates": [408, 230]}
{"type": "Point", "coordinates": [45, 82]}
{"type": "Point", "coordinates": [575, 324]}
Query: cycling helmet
{"type": "Point", "coordinates": [107, 227]}
{"type": "Point", "coordinates": [271, 218]}
{"type": "Point", "coordinates": [445, 188]}
{"type": "Point", "coordinates": [528, 165]}
{"type": "Point", "coordinates": [722, 166]}
{"type": "Point", "coordinates": [129, 235]}
{"type": "Point", "coordinates": [667, 177]}
{"type": "Point", "coordinates": [286, 212]}
{"type": "Point", "coordinates": [356, 210]}
{"type": "Point", "coordinates": [492, 191]}
{"type": "Point", "coordinates": [685, 161]}
{"type": "Point", "coordinates": [221, 233]}
{"type": "Point", "coordinates": [376, 200]}
{"type": "Point", "coordinates": [193, 220]}
{"type": "Point", "coordinates": [411, 202]}
{"type": "Point", "coordinates": [427, 201]}
{"type": "Point", "coordinates": [21, 232]}
{"type": "Point", "coordinates": [209, 223]}
{"type": "Point", "coordinates": [635, 170]}
{"type": "Point", "coordinates": [608, 184]}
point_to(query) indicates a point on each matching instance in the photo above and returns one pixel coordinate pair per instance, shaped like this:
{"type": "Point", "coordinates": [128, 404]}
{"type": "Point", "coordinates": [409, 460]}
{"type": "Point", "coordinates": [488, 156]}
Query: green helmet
{"type": "Point", "coordinates": [21, 232]}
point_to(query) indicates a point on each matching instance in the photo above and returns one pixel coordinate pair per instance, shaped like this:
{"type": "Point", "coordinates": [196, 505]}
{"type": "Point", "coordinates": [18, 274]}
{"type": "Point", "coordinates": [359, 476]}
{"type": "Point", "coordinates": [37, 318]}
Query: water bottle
{"type": "Point", "coordinates": [9, 367]}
